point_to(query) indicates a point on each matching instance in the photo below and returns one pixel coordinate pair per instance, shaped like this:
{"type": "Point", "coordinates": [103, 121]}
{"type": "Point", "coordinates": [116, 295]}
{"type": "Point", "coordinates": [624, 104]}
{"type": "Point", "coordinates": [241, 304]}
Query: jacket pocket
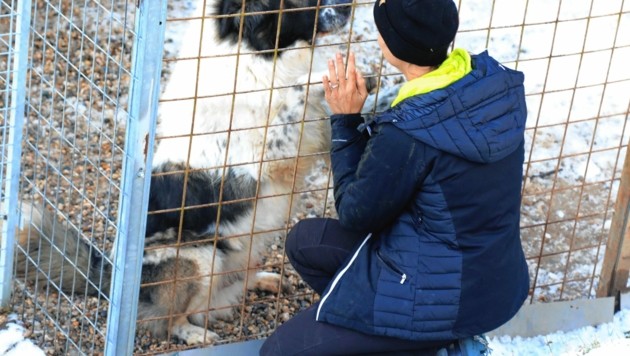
{"type": "Point", "coordinates": [392, 267]}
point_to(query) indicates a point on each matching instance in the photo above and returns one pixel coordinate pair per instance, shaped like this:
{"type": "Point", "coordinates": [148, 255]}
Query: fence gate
{"type": "Point", "coordinates": [81, 84]}
{"type": "Point", "coordinates": [86, 109]}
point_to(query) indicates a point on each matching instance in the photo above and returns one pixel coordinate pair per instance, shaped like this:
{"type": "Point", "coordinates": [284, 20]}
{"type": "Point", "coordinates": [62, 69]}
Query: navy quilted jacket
{"type": "Point", "coordinates": [436, 188]}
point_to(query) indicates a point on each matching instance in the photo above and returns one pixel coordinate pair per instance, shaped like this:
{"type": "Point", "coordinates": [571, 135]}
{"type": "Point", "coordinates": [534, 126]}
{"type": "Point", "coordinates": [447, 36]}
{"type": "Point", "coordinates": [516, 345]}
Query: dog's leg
{"type": "Point", "coordinates": [192, 334]}
{"type": "Point", "coordinates": [171, 302]}
{"type": "Point", "coordinates": [153, 318]}
{"type": "Point", "coordinates": [268, 282]}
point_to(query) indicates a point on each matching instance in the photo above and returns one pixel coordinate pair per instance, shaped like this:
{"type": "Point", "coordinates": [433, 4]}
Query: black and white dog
{"type": "Point", "coordinates": [234, 149]}
{"type": "Point", "coordinates": [239, 127]}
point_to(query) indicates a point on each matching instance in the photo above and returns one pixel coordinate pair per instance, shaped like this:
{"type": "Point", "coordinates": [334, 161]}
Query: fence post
{"type": "Point", "coordinates": [145, 90]}
{"type": "Point", "coordinates": [614, 275]}
{"type": "Point", "coordinates": [13, 146]}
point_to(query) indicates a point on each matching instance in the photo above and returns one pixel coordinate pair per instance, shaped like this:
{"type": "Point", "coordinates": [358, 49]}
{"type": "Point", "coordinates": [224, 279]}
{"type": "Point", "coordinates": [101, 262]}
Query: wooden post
{"type": "Point", "coordinates": [614, 275]}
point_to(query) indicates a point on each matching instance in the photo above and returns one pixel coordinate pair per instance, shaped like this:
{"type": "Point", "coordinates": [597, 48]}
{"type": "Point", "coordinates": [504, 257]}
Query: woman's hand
{"type": "Point", "coordinates": [346, 92]}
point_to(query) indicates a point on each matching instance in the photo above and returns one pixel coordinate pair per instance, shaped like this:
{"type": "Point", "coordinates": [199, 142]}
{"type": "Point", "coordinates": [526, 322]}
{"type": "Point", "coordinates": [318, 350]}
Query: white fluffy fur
{"type": "Point", "coordinates": [240, 119]}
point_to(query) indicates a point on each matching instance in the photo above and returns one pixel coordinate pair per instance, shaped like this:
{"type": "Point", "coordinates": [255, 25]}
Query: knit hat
{"type": "Point", "coordinates": [417, 31]}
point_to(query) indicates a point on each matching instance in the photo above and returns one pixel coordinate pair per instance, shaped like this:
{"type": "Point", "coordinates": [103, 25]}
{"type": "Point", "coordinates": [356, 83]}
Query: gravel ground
{"type": "Point", "coordinates": [73, 153]}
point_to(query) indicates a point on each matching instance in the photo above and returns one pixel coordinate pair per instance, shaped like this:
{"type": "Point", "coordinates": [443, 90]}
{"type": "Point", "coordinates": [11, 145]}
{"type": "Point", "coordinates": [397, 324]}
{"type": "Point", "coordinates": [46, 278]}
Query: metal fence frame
{"type": "Point", "coordinates": [17, 61]}
{"type": "Point", "coordinates": [128, 249]}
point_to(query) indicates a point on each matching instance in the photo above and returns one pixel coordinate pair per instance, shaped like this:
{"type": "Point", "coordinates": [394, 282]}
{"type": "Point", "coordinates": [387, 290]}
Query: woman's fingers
{"type": "Point", "coordinates": [341, 75]}
{"type": "Point", "coordinates": [344, 88]}
{"type": "Point", "coordinates": [326, 84]}
{"type": "Point", "coordinates": [352, 79]}
{"type": "Point", "coordinates": [332, 74]}
{"type": "Point", "coordinates": [338, 75]}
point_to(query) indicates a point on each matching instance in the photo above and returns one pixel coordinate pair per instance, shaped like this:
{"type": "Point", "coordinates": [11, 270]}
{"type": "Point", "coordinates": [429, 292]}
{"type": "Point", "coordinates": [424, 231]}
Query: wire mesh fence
{"type": "Point", "coordinates": [241, 155]}
{"type": "Point", "coordinates": [77, 90]}
{"type": "Point", "coordinates": [577, 137]}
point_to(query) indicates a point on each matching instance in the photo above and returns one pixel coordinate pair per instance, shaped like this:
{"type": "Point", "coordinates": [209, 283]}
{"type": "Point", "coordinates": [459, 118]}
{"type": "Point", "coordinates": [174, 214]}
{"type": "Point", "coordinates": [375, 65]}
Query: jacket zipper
{"type": "Point", "coordinates": [343, 271]}
{"type": "Point", "coordinates": [391, 266]}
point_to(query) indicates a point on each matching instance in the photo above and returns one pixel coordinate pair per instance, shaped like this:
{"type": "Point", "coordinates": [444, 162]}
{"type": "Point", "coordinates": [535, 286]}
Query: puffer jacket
{"type": "Point", "coordinates": [436, 188]}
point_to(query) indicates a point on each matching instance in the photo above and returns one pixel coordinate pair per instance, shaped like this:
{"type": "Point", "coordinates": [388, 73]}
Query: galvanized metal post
{"type": "Point", "coordinates": [145, 90]}
{"type": "Point", "coordinates": [15, 124]}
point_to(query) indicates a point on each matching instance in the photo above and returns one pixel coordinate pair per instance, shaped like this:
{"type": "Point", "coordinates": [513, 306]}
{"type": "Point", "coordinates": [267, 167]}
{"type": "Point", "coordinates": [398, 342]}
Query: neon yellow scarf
{"type": "Point", "coordinates": [454, 68]}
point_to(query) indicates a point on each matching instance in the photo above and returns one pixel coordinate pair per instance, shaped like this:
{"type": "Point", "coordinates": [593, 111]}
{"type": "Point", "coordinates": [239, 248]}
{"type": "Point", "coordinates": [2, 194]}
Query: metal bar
{"type": "Point", "coordinates": [128, 248]}
{"type": "Point", "coordinates": [14, 148]}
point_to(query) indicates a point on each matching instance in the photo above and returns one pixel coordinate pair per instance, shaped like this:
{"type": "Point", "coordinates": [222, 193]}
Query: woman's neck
{"type": "Point", "coordinates": [412, 71]}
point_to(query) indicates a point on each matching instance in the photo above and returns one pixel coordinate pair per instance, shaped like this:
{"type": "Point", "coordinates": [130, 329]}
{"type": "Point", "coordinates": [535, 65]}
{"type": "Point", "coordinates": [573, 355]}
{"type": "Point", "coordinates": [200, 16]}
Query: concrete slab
{"type": "Point", "coordinates": [245, 348]}
{"type": "Point", "coordinates": [539, 319]}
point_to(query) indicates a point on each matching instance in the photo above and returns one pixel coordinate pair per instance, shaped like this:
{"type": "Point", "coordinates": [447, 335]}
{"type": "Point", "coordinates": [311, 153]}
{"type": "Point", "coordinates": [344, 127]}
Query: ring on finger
{"type": "Point", "coordinates": [334, 86]}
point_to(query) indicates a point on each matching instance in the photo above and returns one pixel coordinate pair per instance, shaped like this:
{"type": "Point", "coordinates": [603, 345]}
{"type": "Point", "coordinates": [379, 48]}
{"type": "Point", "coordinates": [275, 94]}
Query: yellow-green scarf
{"type": "Point", "coordinates": [454, 68]}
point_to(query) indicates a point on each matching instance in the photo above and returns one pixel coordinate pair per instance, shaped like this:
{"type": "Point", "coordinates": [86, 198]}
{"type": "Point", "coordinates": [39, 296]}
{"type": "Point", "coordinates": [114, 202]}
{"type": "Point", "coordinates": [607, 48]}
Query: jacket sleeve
{"type": "Point", "coordinates": [374, 177]}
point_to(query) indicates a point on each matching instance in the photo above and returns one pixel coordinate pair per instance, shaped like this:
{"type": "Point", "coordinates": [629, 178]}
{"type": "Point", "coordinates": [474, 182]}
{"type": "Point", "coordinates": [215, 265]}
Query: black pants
{"type": "Point", "coordinates": [317, 248]}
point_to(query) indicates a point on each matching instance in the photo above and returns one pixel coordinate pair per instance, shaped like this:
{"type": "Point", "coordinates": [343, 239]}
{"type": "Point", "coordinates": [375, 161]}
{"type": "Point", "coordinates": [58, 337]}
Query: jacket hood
{"type": "Point", "coordinates": [480, 117]}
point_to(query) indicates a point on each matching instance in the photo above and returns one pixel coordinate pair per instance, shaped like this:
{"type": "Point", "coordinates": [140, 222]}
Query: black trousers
{"type": "Point", "coordinates": [317, 248]}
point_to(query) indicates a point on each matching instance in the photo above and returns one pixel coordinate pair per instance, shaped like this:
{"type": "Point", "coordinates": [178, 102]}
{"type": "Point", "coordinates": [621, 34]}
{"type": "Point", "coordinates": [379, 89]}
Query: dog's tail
{"type": "Point", "coordinates": [54, 253]}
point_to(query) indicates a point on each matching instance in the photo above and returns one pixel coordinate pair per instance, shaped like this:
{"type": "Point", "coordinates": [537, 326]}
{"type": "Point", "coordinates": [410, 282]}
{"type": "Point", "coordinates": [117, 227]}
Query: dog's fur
{"type": "Point", "coordinates": [232, 160]}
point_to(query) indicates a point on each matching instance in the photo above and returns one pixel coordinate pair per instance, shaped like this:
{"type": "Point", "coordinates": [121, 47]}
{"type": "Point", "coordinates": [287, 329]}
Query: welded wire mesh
{"type": "Point", "coordinates": [228, 94]}
{"type": "Point", "coordinates": [76, 114]}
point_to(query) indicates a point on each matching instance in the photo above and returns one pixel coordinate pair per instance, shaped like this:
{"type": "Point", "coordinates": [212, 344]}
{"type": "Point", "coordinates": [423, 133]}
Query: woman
{"type": "Point", "coordinates": [426, 249]}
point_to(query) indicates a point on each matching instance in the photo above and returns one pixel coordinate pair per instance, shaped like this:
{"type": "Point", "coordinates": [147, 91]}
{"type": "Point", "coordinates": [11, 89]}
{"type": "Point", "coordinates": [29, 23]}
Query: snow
{"type": "Point", "coordinates": [608, 339]}
{"type": "Point", "coordinates": [540, 38]}
{"type": "Point", "coordinates": [13, 341]}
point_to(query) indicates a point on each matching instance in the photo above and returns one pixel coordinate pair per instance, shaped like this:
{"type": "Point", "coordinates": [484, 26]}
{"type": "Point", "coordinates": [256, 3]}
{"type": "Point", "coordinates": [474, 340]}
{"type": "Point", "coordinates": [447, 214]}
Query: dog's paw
{"type": "Point", "coordinates": [194, 335]}
{"type": "Point", "coordinates": [271, 282]}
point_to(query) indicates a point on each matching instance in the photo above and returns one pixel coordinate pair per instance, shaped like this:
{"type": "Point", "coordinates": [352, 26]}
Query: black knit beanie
{"type": "Point", "coordinates": [417, 31]}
